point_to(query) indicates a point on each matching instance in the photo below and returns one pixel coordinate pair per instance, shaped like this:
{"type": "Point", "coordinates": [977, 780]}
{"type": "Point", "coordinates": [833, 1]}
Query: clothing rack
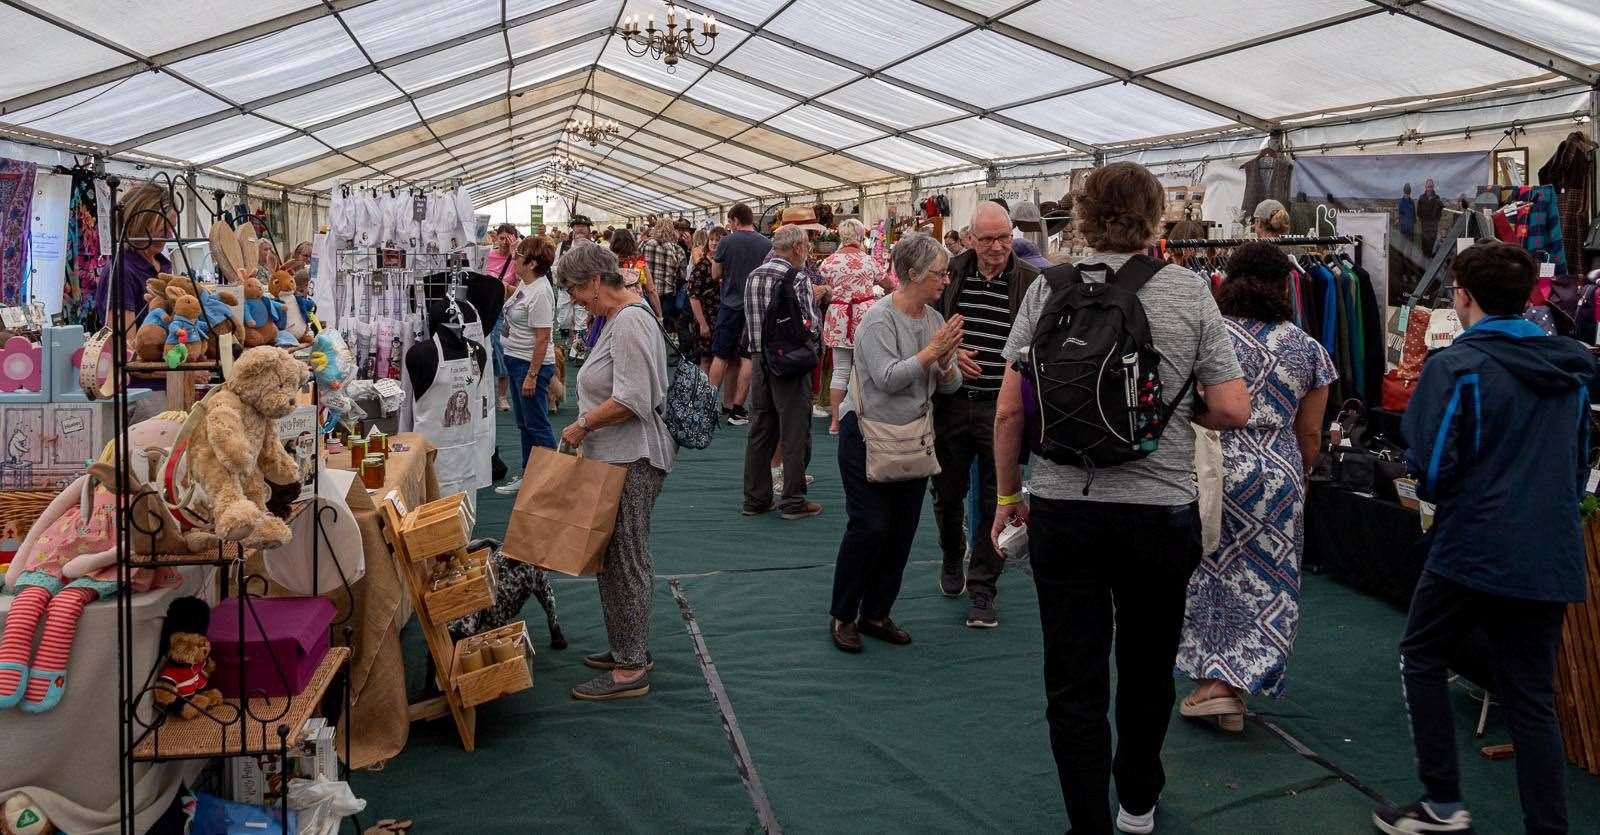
{"type": "Point", "coordinates": [250, 724]}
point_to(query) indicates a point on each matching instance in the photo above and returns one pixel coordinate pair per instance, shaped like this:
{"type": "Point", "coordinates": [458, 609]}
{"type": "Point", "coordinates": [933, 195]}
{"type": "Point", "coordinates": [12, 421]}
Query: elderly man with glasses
{"type": "Point", "coordinates": [987, 286]}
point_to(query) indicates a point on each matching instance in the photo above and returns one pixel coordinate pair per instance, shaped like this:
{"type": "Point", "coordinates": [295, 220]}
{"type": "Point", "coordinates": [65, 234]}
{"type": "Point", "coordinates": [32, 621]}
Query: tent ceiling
{"type": "Point", "coordinates": [304, 93]}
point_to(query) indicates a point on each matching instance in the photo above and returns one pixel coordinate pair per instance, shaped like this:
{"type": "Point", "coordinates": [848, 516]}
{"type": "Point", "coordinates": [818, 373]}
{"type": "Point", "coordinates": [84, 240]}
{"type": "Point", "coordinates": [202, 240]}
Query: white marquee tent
{"type": "Point", "coordinates": [798, 96]}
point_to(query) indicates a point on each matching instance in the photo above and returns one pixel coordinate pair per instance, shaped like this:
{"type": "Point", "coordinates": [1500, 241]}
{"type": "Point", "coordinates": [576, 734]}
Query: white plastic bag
{"type": "Point", "coordinates": [1208, 475]}
{"type": "Point", "coordinates": [320, 802]}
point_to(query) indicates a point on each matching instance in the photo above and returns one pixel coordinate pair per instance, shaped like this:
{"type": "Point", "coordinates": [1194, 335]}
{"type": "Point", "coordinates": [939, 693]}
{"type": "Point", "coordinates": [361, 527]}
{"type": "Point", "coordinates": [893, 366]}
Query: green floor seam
{"type": "Point", "coordinates": [1305, 751]}
{"type": "Point", "coordinates": [730, 722]}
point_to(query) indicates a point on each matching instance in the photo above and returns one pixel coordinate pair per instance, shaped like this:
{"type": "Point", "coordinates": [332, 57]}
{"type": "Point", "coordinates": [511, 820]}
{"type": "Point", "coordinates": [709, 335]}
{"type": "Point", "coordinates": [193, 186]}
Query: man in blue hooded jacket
{"type": "Point", "coordinates": [1498, 439]}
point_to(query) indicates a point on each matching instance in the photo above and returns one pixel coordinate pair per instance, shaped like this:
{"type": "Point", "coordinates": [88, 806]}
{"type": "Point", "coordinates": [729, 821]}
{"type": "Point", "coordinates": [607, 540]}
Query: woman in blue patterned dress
{"type": "Point", "coordinates": [1244, 599]}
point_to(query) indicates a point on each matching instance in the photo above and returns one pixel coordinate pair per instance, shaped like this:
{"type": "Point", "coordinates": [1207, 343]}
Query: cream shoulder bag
{"type": "Point", "coordinates": [896, 452]}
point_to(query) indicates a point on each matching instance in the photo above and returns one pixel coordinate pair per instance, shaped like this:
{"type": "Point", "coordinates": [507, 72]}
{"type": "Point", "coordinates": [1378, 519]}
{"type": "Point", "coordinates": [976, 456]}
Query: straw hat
{"type": "Point", "coordinates": [804, 217]}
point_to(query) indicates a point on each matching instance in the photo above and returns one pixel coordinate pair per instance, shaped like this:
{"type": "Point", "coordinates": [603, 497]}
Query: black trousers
{"type": "Point", "coordinates": [780, 411]}
{"type": "Point", "coordinates": [1524, 636]}
{"type": "Point", "coordinates": [964, 432]}
{"type": "Point", "coordinates": [1095, 565]}
{"type": "Point", "coordinates": [877, 539]}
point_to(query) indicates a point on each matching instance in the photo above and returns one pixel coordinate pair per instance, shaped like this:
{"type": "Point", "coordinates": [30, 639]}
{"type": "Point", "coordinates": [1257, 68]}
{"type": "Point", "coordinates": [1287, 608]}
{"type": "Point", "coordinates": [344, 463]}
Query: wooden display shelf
{"type": "Point", "coordinates": [492, 681]}
{"type": "Point", "coordinates": [436, 528]}
{"type": "Point", "coordinates": [202, 737]}
{"type": "Point", "coordinates": [462, 598]}
{"type": "Point", "coordinates": [160, 367]}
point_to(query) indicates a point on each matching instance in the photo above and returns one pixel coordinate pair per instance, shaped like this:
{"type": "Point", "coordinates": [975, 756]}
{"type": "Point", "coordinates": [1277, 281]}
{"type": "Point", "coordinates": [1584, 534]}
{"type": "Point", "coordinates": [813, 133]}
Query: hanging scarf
{"type": "Point", "coordinates": [16, 226]}
{"type": "Point", "coordinates": [83, 243]}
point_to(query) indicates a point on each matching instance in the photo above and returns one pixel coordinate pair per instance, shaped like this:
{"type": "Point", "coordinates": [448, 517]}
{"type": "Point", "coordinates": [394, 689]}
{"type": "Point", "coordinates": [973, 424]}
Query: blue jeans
{"type": "Point", "coordinates": [498, 352]}
{"type": "Point", "coordinates": [532, 413]}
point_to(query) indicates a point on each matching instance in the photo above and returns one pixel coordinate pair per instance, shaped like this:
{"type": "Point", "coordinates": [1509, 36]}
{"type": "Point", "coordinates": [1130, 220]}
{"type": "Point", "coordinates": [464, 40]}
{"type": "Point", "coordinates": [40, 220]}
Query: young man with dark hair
{"type": "Point", "coordinates": [1498, 436]}
{"type": "Point", "coordinates": [740, 252]}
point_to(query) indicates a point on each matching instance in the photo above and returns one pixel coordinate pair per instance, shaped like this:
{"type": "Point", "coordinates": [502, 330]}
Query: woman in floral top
{"type": "Point", "coordinates": [853, 279]}
{"type": "Point", "coordinates": [705, 294]}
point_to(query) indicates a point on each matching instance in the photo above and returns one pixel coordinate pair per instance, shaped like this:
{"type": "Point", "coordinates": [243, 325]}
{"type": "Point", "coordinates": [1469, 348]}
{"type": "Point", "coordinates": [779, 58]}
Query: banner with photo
{"type": "Point", "coordinates": [1421, 193]}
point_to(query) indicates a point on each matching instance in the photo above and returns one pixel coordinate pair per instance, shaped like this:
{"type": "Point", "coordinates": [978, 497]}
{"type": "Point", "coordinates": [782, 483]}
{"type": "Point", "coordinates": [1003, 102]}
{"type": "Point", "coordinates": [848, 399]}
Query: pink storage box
{"type": "Point", "coordinates": [287, 634]}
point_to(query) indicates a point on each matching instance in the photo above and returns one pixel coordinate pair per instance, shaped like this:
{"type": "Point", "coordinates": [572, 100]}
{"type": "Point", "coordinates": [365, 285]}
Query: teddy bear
{"type": "Point", "coordinates": [234, 451]}
{"type": "Point", "coordinates": [186, 667]}
{"type": "Point", "coordinates": [150, 340]}
{"type": "Point", "coordinates": [259, 327]}
{"type": "Point", "coordinates": [187, 337]}
{"type": "Point", "coordinates": [280, 300]}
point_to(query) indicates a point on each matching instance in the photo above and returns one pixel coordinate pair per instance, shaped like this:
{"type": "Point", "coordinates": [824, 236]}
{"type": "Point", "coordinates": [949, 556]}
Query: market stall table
{"type": "Point", "coordinates": [66, 758]}
{"type": "Point", "coordinates": [377, 669]}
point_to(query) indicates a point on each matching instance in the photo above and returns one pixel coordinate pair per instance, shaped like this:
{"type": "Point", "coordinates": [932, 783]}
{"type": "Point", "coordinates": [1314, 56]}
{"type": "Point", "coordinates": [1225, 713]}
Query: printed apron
{"type": "Point", "coordinates": [444, 415]}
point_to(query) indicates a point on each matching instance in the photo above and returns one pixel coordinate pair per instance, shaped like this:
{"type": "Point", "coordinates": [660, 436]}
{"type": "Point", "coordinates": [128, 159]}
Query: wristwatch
{"type": "Point", "coordinates": [583, 422]}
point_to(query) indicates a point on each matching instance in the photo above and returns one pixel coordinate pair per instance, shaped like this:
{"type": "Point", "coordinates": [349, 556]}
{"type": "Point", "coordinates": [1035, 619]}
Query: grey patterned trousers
{"type": "Point", "coordinates": [628, 582]}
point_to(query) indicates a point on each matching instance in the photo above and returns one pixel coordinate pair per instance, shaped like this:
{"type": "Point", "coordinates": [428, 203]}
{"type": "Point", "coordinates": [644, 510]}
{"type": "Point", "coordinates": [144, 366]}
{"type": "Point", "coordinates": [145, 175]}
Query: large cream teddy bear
{"type": "Point", "coordinates": [235, 450]}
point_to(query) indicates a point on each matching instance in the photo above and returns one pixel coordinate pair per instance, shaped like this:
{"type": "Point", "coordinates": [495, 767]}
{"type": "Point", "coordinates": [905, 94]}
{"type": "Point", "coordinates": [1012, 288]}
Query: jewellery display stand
{"type": "Point", "coordinates": [251, 724]}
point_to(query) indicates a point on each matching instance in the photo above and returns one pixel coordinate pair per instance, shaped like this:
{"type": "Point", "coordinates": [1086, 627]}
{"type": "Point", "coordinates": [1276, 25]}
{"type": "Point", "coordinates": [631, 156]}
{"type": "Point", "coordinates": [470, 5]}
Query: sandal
{"type": "Point", "coordinates": [1228, 710]}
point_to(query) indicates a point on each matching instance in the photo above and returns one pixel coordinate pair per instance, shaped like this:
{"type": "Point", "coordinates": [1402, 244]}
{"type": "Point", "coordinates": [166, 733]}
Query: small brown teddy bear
{"type": "Point", "coordinates": [184, 323]}
{"type": "Point", "coordinates": [186, 667]}
{"type": "Point", "coordinates": [259, 327]}
{"type": "Point", "coordinates": [235, 451]}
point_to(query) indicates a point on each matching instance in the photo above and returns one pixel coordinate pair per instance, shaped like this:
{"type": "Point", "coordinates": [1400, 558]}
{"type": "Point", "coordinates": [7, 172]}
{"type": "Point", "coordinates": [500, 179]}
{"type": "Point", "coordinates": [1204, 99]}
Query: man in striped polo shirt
{"type": "Point", "coordinates": [987, 285]}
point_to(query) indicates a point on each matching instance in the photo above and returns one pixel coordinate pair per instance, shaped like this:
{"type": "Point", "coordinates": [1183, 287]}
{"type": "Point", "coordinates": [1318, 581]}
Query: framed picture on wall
{"type": "Point", "coordinates": [1510, 166]}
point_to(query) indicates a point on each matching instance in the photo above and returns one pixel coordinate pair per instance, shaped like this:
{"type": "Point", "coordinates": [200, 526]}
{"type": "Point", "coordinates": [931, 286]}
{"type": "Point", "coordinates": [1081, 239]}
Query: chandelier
{"type": "Point", "coordinates": [669, 44]}
{"type": "Point", "coordinates": [593, 132]}
{"type": "Point", "coordinates": [563, 163]}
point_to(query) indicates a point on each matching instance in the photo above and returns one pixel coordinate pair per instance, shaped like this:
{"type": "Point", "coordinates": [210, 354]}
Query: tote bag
{"type": "Point", "coordinates": [1208, 471]}
{"type": "Point", "coordinates": [565, 512]}
{"type": "Point", "coordinates": [896, 452]}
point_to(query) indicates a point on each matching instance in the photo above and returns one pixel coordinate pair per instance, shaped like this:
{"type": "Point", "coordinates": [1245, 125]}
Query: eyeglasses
{"type": "Point", "coordinates": [944, 273]}
{"type": "Point", "coordinates": [991, 240]}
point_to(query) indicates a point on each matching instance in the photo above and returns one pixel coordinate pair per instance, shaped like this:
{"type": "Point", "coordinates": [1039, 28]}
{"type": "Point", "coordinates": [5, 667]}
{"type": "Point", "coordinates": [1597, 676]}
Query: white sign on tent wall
{"type": "Point", "coordinates": [47, 249]}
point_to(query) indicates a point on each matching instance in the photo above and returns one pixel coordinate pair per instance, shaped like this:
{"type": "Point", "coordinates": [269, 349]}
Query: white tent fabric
{"type": "Point", "coordinates": [797, 97]}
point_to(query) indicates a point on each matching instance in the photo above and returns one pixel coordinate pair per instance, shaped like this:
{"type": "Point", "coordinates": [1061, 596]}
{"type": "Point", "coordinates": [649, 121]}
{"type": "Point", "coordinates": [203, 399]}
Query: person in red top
{"type": "Point", "coordinates": [499, 265]}
{"type": "Point", "coordinates": [852, 275]}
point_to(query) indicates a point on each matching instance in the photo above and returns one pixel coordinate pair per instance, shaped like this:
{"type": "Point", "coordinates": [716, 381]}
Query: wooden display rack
{"type": "Point", "coordinates": [435, 529]}
{"type": "Point", "coordinates": [1577, 667]}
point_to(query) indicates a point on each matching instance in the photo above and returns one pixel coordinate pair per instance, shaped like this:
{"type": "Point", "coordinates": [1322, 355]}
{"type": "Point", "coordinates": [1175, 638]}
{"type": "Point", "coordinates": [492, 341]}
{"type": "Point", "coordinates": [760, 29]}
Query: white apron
{"type": "Point", "coordinates": [443, 415]}
{"type": "Point", "coordinates": [483, 415]}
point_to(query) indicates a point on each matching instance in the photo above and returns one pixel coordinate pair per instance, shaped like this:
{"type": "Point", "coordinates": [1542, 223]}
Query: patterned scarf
{"type": "Point", "coordinates": [16, 226]}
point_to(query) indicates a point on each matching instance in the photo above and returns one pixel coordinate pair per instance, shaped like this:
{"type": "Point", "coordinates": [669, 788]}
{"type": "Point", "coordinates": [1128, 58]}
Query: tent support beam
{"type": "Point", "coordinates": [173, 56]}
{"type": "Point", "coordinates": [1116, 72]}
{"type": "Point", "coordinates": [644, 131]}
{"type": "Point", "coordinates": [360, 72]}
{"type": "Point", "coordinates": [560, 79]}
{"type": "Point", "coordinates": [508, 177]}
{"type": "Point", "coordinates": [879, 74]}
{"type": "Point", "coordinates": [1486, 37]}
{"type": "Point", "coordinates": [494, 169]}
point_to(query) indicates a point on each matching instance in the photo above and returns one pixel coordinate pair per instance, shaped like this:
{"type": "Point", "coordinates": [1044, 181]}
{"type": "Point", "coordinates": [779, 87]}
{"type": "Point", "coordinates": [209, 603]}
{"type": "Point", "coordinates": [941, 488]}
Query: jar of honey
{"type": "Point", "coordinates": [358, 452]}
{"type": "Point", "coordinates": [373, 471]}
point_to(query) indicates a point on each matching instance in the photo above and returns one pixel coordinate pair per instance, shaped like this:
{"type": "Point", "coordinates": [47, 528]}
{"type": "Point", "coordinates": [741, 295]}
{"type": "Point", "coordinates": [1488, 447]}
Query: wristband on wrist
{"type": "Point", "coordinates": [1007, 501]}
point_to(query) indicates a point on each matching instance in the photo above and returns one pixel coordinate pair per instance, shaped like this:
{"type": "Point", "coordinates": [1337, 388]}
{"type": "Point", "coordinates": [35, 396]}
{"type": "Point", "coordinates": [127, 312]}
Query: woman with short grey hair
{"type": "Point", "coordinates": [904, 353]}
{"type": "Point", "coordinates": [852, 276]}
{"type": "Point", "coordinates": [620, 387]}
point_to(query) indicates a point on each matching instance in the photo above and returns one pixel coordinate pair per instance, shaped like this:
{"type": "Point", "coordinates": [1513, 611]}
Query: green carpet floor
{"type": "Point", "coordinates": [946, 735]}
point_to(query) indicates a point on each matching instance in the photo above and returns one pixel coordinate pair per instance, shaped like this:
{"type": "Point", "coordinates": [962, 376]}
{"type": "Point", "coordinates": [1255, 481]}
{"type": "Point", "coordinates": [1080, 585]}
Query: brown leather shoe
{"type": "Point", "coordinates": [805, 511]}
{"type": "Point", "coordinates": [885, 630]}
{"type": "Point", "coordinates": [845, 636]}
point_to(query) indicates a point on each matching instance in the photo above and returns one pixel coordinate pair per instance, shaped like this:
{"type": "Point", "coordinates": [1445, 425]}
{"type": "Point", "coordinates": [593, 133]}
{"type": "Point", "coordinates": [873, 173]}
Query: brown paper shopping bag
{"type": "Point", "coordinates": [565, 512]}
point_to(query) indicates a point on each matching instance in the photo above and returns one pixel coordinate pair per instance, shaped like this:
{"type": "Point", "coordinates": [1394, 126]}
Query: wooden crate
{"type": "Point", "coordinates": [437, 528]}
{"type": "Point", "coordinates": [1578, 667]}
{"type": "Point", "coordinates": [464, 598]}
{"type": "Point", "coordinates": [494, 680]}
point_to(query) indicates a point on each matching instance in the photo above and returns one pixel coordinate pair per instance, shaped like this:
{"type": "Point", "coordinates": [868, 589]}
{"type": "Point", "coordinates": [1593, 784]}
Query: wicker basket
{"type": "Point", "coordinates": [494, 680]}
{"type": "Point", "coordinates": [20, 508]}
{"type": "Point", "coordinates": [461, 599]}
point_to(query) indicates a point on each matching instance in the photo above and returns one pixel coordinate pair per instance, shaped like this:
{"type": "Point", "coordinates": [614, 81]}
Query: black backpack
{"type": "Point", "coordinates": [1092, 372]}
{"type": "Point", "coordinates": [788, 345]}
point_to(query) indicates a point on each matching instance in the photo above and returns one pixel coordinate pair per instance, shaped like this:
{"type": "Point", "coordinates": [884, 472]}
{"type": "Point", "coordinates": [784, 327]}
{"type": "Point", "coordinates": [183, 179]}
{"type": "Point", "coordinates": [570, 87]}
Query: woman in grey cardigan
{"type": "Point", "coordinates": [904, 352]}
{"type": "Point", "coordinates": [621, 385]}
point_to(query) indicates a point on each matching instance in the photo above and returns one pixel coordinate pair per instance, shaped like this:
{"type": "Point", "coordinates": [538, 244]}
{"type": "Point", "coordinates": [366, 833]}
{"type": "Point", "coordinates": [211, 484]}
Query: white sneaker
{"type": "Point", "coordinates": [510, 488]}
{"type": "Point", "coordinates": [819, 412]}
{"type": "Point", "coordinates": [1129, 822]}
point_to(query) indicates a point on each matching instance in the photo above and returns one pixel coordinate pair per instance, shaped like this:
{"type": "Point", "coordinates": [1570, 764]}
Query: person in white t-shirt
{"type": "Point", "coordinates": [528, 318]}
